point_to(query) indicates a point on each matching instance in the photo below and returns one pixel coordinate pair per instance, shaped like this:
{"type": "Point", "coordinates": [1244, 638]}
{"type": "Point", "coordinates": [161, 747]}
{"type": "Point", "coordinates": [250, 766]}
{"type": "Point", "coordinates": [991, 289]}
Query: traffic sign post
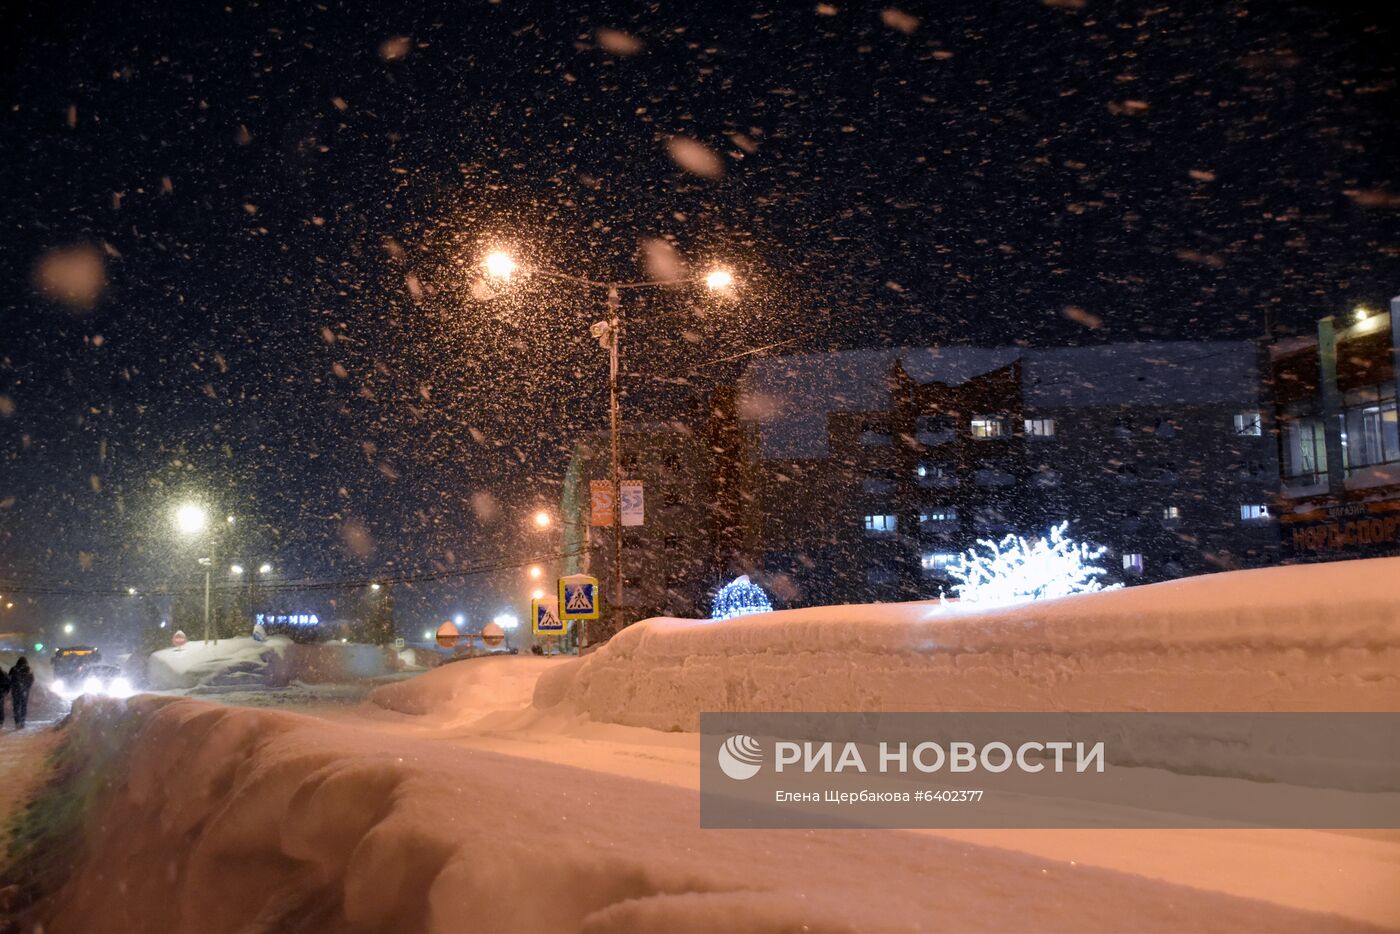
{"type": "Point", "coordinates": [578, 597]}
{"type": "Point", "coordinates": [447, 635]}
{"type": "Point", "coordinates": [544, 611]}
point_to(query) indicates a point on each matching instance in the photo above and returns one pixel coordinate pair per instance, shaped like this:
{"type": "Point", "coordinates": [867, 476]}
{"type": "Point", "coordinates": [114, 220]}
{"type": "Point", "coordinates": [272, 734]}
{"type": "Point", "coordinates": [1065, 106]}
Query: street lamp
{"type": "Point", "coordinates": [192, 519]}
{"type": "Point", "coordinates": [264, 568]}
{"type": "Point", "coordinates": [67, 629]}
{"type": "Point", "coordinates": [235, 570]}
{"type": "Point", "coordinates": [608, 332]}
{"type": "Point", "coordinates": [542, 520]}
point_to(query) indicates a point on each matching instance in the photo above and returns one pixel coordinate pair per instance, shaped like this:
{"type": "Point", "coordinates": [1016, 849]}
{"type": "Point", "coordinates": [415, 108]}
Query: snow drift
{"type": "Point", "coordinates": [1315, 637]}
{"type": "Point", "coordinates": [468, 689]}
{"type": "Point", "coordinates": [221, 820]}
{"type": "Point", "coordinates": [245, 662]}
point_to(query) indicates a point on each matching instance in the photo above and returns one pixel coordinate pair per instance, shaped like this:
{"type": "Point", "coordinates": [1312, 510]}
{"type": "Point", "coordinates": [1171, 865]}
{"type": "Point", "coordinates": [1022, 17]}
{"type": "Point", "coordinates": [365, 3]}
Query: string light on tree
{"type": "Point", "coordinates": [1015, 570]}
{"type": "Point", "coordinates": [740, 597]}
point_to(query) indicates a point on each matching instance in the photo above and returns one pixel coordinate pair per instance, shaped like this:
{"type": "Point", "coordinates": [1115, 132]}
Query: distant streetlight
{"type": "Point", "coordinates": [460, 619]}
{"type": "Point", "coordinates": [67, 629]}
{"type": "Point", "coordinates": [608, 332]}
{"type": "Point", "coordinates": [536, 572]}
{"type": "Point", "coordinates": [235, 569]}
{"type": "Point", "coordinates": [1361, 312]}
{"type": "Point", "coordinates": [499, 265]}
{"type": "Point", "coordinates": [718, 279]}
{"type": "Point", "coordinates": [543, 520]}
{"type": "Point", "coordinates": [506, 620]}
{"type": "Point", "coordinates": [191, 519]}
{"type": "Point", "coordinates": [537, 594]}
{"type": "Point", "coordinates": [264, 568]}
{"type": "Point", "coordinates": [131, 591]}
{"type": "Point", "coordinates": [375, 586]}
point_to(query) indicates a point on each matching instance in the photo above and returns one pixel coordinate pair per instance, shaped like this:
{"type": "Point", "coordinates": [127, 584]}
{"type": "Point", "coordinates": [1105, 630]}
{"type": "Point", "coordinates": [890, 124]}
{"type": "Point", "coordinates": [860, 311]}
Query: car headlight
{"type": "Point", "coordinates": [59, 687]}
{"type": "Point", "coordinates": [91, 685]}
{"type": "Point", "coordinates": [119, 687]}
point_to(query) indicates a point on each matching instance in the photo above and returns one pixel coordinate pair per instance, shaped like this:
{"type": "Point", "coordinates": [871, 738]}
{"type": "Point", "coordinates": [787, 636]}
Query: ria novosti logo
{"type": "Point", "coordinates": [740, 757]}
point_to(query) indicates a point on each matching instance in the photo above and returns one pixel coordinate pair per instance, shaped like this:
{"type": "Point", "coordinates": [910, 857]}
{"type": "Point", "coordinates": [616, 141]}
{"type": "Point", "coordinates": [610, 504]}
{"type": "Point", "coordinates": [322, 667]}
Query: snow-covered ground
{"type": "Point", "coordinates": [1317, 637]}
{"type": "Point", "coordinates": [548, 794]}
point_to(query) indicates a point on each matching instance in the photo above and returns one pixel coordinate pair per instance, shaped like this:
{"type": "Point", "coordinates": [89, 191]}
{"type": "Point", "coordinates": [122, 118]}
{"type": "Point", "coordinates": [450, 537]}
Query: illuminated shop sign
{"type": "Point", "coordinates": [287, 619]}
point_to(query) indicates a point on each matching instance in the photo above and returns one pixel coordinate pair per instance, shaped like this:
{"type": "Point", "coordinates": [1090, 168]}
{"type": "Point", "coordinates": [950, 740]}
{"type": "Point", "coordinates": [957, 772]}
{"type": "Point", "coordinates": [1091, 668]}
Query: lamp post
{"type": "Point", "coordinates": [608, 332]}
{"type": "Point", "coordinates": [192, 520]}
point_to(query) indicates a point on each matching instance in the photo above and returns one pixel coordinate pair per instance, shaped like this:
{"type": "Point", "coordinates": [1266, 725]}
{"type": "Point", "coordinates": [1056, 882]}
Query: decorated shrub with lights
{"type": "Point", "coordinates": [740, 597]}
{"type": "Point", "coordinates": [1015, 570]}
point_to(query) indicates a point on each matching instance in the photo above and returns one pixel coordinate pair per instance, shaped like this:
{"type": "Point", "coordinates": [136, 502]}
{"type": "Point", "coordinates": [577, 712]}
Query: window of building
{"type": "Point", "coordinates": [939, 515]}
{"type": "Point", "coordinates": [931, 474]}
{"type": "Point", "coordinates": [988, 426]}
{"type": "Point", "coordinates": [934, 429]}
{"type": "Point", "coordinates": [1254, 512]}
{"type": "Point", "coordinates": [1369, 430]}
{"type": "Point", "coordinates": [880, 524]}
{"type": "Point", "coordinates": [880, 575]}
{"type": "Point", "coordinates": [1040, 428]}
{"type": "Point", "coordinates": [1249, 423]}
{"type": "Point", "coordinates": [878, 483]}
{"type": "Point", "coordinates": [938, 562]}
{"type": "Point", "coordinates": [1171, 513]}
{"type": "Point", "coordinates": [1132, 563]}
{"type": "Point", "coordinates": [1304, 449]}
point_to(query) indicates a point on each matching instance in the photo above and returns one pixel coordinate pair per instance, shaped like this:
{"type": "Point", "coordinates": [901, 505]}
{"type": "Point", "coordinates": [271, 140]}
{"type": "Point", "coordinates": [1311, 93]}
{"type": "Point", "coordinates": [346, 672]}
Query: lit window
{"type": "Point", "coordinates": [1132, 564]}
{"type": "Point", "coordinates": [1248, 423]}
{"type": "Point", "coordinates": [1040, 428]}
{"type": "Point", "coordinates": [880, 524]}
{"type": "Point", "coordinates": [935, 562]}
{"type": "Point", "coordinates": [939, 515]}
{"type": "Point", "coordinates": [1171, 512]}
{"type": "Point", "coordinates": [985, 426]}
{"type": "Point", "coordinates": [1254, 512]}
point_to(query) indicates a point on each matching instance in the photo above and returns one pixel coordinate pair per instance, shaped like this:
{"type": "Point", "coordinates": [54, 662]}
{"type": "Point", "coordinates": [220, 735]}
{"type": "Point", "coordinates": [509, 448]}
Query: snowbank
{"type": "Point", "coordinates": [468, 689]}
{"type": "Point", "coordinates": [236, 662]}
{"type": "Point", "coordinates": [245, 662]}
{"type": "Point", "coordinates": [229, 819]}
{"type": "Point", "coordinates": [1315, 637]}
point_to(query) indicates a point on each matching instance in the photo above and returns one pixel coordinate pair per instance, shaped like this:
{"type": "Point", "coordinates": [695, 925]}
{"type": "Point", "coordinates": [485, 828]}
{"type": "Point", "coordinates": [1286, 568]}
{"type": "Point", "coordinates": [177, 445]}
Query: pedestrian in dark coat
{"type": "Point", "coordinates": [4, 689]}
{"type": "Point", "coordinates": [21, 680]}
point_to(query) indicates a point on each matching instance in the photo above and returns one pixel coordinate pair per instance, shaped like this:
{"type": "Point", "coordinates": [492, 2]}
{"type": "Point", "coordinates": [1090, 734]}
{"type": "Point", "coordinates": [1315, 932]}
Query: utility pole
{"type": "Point", "coordinates": [615, 412]}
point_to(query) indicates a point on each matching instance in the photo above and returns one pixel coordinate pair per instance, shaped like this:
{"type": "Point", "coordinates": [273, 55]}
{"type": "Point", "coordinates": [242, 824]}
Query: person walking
{"type": "Point", "coordinates": [21, 680]}
{"type": "Point", "coordinates": [4, 689]}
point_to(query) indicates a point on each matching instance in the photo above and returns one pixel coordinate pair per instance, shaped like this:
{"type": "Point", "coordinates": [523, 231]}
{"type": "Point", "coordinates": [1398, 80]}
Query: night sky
{"type": "Point", "coordinates": [287, 202]}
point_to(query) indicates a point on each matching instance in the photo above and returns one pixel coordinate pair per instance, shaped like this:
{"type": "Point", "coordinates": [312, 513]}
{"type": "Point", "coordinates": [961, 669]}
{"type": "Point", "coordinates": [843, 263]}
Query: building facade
{"type": "Point", "coordinates": [1339, 448]}
{"type": "Point", "coordinates": [875, 469]}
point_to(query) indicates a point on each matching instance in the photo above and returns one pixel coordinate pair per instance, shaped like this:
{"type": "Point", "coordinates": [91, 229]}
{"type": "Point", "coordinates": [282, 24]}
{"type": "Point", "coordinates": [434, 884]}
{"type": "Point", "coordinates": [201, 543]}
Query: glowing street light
{"type": "Point", "coordinates": [543, 519]}
{"type": "Point", "coordinates": [719, 279]}
{"type": "Point", "coordinates": [67, 629]}
{"type": "Point", "coordinates": [191, 519]}
{"type": "Point", "coordinates": [1361, 312]}
{"type": "Point", "coordinates": [235, 569]}
{"type": "Point", "coordinates": [537, 593]}
{"type": "Point", "coordinates": [499, 265]}
{"type": "Point", "coordinates": [264, 568]}
{"type": "Point", "coordinates": [375, 586]}
{"type": "Point", "coordinates": [536, 572]}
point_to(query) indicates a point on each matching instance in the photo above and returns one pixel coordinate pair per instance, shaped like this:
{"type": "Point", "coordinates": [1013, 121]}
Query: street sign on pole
{"type": "Point", "coordinates": [578, 597]}
{"type": "Point", "coordinates": [545, 613]}
{"type": "Point", "coordinates": [447, 635]}
{"type": "Point", "coordinates": [633, 511]}
{"type": "Point", "coordinates": [601, 502]}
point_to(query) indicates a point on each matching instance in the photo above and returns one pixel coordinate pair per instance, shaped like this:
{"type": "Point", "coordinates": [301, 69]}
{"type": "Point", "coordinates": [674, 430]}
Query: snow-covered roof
{"type": "Point", "coordinates": [786, 397]}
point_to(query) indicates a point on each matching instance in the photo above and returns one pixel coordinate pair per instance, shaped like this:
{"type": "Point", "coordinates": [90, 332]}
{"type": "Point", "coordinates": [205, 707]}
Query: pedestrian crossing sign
{"type": "Point", "coordinates": [578, 597]}
{"type": "Point", "coordinates": [545, 612]}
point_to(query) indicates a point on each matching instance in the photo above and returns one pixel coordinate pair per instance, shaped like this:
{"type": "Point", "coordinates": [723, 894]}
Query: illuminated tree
{"type": "Point", "coordinates": [739, 597]}
{"type": "Point", "coordinates": [1015, 570]}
